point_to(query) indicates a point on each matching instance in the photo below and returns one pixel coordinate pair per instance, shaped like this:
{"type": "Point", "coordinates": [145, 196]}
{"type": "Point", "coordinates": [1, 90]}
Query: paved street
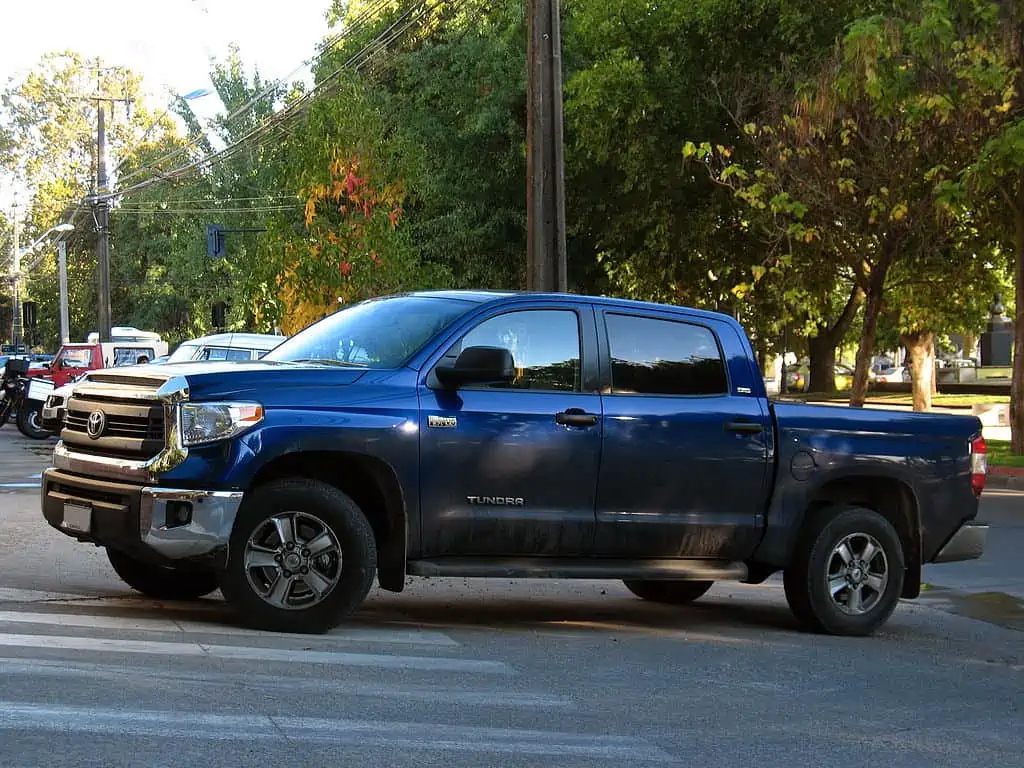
{"type": "Point", "coordinates": [460, 672]}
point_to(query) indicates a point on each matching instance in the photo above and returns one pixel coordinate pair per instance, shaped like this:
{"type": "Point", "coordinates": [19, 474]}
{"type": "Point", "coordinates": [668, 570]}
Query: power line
{"type": "Point", "coordinates": [261, 209]}
{"type": "Point", "coordinates": [217, 199]}
{"type": "Point", "coordinates": [357, 24]}
{"type": "Point", "coordinates": [274, 122]}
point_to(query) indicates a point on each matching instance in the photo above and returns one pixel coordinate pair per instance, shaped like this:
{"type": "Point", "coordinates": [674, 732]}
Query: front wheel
{"type": "Point", "coordinates": [302, 557]}
{"type": "Point", "coordinates": [847, 575]}
{"type": "Point", "coordinates": [30, 421]}
{"type": "Point", "coordinates": [160, 581]}
{"type": "Point", "coordinates": [670, 592]}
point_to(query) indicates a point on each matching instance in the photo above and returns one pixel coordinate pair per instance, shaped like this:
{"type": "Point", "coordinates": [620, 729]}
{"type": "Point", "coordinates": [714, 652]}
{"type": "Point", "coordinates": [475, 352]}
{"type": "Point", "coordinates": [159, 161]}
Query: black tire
{"type": "Point", "coordinates": [309, 504]}
{"type": "Point", "coordinates": [807, 578]}
{"type": "Point", "coordinates": [160, 581]}
{"type": "Point", "coordinates": [669, 592]}
{"type": "Point", "coordinates": [30, 422]}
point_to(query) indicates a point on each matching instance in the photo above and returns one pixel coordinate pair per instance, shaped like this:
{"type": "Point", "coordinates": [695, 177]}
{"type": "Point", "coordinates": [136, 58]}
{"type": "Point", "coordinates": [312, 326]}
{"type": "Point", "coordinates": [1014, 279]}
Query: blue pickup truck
{"type": "Point", "coordinates": [507, 435]}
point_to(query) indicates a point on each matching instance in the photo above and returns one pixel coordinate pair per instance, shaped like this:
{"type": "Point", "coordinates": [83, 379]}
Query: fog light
{"type": "Point", "coordinates": [178, 513]}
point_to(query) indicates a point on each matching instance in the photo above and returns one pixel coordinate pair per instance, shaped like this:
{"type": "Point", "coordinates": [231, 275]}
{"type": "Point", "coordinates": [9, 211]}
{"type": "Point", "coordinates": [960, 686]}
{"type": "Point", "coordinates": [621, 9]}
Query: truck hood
{"type": "Point", "coordinates": [231, 380]}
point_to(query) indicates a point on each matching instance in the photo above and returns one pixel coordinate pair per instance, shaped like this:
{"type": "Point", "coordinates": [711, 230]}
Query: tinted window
{"type": "Point", "coordinates": [545, 345]}
{"type": "Point", "coordinates": [663, 357]}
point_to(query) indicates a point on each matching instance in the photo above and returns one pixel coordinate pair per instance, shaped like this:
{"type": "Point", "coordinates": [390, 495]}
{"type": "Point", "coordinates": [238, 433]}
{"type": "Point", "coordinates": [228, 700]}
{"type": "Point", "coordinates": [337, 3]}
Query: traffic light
{"type": "Point", "coordinates": [215, 247]}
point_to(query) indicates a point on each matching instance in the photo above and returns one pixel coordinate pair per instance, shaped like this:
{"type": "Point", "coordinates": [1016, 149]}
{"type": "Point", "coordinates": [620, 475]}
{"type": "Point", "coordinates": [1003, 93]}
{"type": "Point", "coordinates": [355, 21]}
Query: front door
{"type": "Point", "coordinates": [72, 362]}
{"type": "Point", "coordinates": [511, 469]}
{"type": "Point", "coordinates": [684, 462]}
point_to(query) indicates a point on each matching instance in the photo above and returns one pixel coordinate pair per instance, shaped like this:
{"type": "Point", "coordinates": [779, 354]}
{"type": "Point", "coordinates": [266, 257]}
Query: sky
{"type": "Point", "coordinates": [169, 42]}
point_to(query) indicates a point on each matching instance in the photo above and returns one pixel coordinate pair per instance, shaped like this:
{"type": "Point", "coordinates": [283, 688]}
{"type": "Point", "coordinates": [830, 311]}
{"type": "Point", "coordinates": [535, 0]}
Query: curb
{"type": "Point", "coordinates": [1005, 478]}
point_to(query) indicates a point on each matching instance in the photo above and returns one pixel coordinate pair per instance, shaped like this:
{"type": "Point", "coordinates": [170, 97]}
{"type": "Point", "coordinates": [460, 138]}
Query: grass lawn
{"type": "Point", "coordinates": [999, 454]}
{"type": "Point", "coordinates": [899, 398]}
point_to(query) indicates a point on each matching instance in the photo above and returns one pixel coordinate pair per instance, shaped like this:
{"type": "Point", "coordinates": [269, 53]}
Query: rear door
{"type": "Point", "coordinates": [512, 469]}
{"type": "Point", "coordinates": [685, 443]}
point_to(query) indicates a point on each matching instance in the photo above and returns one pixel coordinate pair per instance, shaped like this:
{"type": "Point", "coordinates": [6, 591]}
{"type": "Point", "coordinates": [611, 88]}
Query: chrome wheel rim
{"type": "Point", "coordinates": [293, 560]}
{"type": "Point", "coordinates": [858, 573]}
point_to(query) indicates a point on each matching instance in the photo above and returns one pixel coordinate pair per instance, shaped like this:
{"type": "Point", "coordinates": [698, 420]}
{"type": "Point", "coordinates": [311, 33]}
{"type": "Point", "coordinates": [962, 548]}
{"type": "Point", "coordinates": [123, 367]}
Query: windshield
{"type": "Point", "coordinates": [183, 354]}
{"type": "Point", "coordinates": [380, 333]}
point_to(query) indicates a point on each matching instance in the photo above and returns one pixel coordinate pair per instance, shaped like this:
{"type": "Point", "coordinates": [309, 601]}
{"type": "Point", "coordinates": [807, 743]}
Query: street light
{"type": "Point", "coordinates": [16, 319]}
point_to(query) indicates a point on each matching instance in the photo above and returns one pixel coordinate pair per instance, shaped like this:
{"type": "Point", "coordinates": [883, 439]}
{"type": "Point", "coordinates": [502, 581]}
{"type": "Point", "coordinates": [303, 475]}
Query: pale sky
{"type": "Point", "coordinates": [169, 42]}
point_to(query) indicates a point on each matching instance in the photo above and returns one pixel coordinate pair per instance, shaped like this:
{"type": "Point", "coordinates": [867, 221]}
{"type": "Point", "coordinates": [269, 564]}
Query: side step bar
{"type": "Point", "coordinates": [581, 568]}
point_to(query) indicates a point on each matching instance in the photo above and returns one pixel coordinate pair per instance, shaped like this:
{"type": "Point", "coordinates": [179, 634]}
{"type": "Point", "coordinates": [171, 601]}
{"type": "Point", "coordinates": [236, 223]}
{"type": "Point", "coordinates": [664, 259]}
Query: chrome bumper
{"type": "Point", "coordinates": [210, 514]}
{"type": "Point", "coordinates": [968, 543]}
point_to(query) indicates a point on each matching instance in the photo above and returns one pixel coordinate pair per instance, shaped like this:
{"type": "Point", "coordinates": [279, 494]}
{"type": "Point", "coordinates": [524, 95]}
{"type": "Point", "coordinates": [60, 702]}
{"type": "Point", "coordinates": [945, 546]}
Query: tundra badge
{"type": "Point", "coordinates": [442, 422]}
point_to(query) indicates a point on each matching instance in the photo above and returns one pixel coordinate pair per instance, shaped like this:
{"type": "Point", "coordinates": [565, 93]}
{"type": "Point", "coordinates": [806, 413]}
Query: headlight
{"type": "Point", "coordinates": [209, 422]}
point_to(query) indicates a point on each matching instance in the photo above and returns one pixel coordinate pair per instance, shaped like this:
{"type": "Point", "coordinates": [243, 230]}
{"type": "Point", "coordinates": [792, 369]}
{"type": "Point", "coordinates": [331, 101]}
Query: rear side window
{"type": "Point", "coordinates": [663, 357]}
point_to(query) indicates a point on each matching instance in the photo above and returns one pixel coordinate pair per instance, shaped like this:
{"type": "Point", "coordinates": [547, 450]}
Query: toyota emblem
{"type": "Point", "coordinates": [96, 424]}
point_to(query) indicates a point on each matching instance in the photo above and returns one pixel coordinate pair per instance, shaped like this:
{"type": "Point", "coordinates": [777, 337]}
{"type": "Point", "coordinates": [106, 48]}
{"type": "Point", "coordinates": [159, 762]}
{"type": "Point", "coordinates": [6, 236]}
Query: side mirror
{"type": "Point", "coordinates": [478, 365]}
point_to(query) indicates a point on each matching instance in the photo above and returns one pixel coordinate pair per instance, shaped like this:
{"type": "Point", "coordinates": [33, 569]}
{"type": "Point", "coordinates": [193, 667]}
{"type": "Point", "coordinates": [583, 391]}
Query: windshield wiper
{"type": "Point", "coordinates": [328, 361]}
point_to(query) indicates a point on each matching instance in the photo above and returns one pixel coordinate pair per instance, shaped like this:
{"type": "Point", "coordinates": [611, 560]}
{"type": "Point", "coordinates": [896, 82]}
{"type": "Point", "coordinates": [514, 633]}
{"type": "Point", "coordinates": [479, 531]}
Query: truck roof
{"type": "Point", "coordinates": [489, 296]}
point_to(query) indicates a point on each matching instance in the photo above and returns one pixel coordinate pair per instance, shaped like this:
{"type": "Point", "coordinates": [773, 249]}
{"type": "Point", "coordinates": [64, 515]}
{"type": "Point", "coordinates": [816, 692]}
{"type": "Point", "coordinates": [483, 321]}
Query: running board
{"type": "Point", "coordinates": [582, 568]}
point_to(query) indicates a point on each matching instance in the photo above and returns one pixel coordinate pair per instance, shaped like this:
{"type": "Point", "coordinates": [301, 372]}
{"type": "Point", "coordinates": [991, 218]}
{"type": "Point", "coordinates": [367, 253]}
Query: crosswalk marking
{"type": "Point", "coordinates": [125, 676]}
{"type": "Point", "coordinates": [431, 705]}
{"type": "Point", "coordinates": [361, 733]}
{"type": "Point", "coordinates": [176, 626]}
{"type": "Point", "coordinates": [241, 653]}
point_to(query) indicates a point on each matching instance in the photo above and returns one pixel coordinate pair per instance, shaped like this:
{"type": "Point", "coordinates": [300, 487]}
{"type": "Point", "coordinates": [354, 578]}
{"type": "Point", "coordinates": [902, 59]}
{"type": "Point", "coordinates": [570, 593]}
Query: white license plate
{"type": "Point", "coordinates": [39, 390]}
{"type": "Point", "coordinates": [77, 518]}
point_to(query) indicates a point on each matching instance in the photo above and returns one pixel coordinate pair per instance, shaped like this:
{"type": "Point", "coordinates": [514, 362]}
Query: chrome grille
{"type": "Point", "coordinates": [134, 429]}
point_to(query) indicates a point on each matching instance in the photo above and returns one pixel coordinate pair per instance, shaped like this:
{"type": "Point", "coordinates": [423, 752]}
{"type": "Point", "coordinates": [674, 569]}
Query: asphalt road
{"type": "Point", "coordinates": [471, 673]}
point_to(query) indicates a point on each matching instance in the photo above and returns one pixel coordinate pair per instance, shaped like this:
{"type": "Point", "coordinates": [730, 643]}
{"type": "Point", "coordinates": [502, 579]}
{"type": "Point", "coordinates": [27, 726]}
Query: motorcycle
{"type": "Point", "coordinates": [27, 413]}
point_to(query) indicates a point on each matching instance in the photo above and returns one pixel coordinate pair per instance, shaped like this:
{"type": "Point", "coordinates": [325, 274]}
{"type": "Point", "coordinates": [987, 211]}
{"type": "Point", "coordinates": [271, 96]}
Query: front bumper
{"type": "Point", "coordinates": [968, 543]}
{"type": "Point", "coordinates": [158, 524]}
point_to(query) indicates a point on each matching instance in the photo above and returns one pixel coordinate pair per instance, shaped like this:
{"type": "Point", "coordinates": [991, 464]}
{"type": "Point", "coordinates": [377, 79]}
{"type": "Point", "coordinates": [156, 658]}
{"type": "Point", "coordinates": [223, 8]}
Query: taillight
{"type": "Point", "coordinates": [979, 464]}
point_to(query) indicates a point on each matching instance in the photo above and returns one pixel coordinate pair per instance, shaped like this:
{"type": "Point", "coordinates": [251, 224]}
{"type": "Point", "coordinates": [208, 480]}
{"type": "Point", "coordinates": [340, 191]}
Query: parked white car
{"type": "Point", "coordinates": [225, 346]}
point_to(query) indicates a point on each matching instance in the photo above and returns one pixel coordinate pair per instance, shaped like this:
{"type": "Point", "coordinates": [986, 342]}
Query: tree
{"type": "Point", "coordinates": [643, 75]}
{"type": "Point", "coordinates": [992, 187]}
{"type": "Point", "coordinates": [47, 130]}
{"type": "Point", "coordinates": [858, 161]}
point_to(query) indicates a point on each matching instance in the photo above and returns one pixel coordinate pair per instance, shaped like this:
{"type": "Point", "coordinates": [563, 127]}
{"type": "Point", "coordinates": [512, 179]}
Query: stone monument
{"type": "Point", "coordinates": [997, 340]}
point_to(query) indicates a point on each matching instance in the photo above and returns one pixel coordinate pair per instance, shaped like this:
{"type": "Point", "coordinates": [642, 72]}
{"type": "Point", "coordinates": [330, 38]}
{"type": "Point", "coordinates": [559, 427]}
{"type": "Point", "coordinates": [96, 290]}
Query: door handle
{"type": "Point", "coordinates": [743, 427]}
{"type": "Point", "coordinates": [576, 417]}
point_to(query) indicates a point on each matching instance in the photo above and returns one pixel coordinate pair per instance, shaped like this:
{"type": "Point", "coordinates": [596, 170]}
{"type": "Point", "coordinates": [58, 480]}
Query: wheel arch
{"type": "Point", "coordinates": [373, 486]}
{"type": "Point", "coordinates": [890, 497]}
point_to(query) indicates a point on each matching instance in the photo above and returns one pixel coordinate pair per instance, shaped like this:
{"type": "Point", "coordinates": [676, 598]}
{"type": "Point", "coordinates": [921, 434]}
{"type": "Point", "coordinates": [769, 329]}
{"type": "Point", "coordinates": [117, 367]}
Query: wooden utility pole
{"type": "Point", "coordinates": [102, 210]}
{"type": "Point", "coordinates": [16, 321]}
{"type": "Point", "coordinates": [100, 203]}
{"type": "Point", "coordinates": [545, 163]}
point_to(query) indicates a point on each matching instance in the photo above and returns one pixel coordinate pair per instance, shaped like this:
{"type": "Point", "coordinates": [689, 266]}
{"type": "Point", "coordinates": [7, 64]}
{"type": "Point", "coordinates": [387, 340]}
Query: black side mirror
{"type": "Point", "coordinates": [478, 365]}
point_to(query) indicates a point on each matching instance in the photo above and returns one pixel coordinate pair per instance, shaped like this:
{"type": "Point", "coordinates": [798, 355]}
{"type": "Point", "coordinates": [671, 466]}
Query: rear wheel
{"type": "Point", "coordinates": [302, 557]}
{"type": "Point", "coordinates": [670, 592]}
{"type": "Point", "coordinates": [160, 581]}
{"type": "Point", "coordinates": [847, 576]}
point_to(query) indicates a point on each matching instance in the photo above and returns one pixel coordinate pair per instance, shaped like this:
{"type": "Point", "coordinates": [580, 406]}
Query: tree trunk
{"type": "Point", "coordinates": [868, 333]}
{"type": "Point", "coordinates": [935, 372]}
{"type": "Point", "coordinates": [821, 349]}
{"type": "Point", "coordinates": [970, 342]}
{"type": "Point", "coordinates": [921, 348]}
{"type": "Point", "coordinates": [1017, 385]}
